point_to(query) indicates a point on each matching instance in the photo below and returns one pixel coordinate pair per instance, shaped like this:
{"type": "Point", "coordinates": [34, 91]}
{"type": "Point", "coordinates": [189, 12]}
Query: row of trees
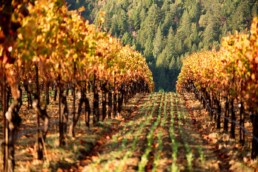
{"type": "Point", "coordinates": [166, 31]}
{"type": "Point", "coordinates": [43, 46]}
{"type": "Point", "coordinates": [227, 79]}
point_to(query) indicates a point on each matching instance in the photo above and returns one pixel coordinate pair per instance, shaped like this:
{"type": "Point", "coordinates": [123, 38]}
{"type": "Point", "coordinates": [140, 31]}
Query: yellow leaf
{"type": "Point", "coordinates": [81, 9]}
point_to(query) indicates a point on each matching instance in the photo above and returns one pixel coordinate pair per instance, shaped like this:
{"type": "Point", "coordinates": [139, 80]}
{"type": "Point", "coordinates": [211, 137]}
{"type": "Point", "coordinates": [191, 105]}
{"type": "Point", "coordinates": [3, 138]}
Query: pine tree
{"type": "Point", "coordinates": [122, 22]}
{"type": "Point", "coordinates": [241, 15]}
{"type": "Point", "coordinates": [158, 43]}
{"type": "Point", "coordinates": [165, 31]}
{"type": "Point", "coordinates": [127, 39]}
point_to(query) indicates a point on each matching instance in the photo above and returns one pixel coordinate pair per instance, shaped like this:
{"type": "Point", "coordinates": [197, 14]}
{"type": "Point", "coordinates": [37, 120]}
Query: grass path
{"type": "Point", "coordinates": [159, 137]}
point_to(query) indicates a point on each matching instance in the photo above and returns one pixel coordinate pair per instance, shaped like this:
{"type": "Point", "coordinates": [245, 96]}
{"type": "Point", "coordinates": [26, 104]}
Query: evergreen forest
{"type": "Point", "coordinates": [128, 85]}
{"type": "Point", "coordinates": [166, 31]}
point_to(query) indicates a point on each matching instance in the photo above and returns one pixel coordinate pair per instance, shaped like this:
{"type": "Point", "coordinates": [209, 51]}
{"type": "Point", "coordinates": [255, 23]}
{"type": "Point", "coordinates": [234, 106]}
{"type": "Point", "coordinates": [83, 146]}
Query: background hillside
{"type": "Point", "coordinates": [165, 31]}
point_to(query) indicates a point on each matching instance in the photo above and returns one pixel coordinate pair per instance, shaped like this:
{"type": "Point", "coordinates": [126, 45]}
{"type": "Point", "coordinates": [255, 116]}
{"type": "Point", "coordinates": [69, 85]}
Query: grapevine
{"type": "Point", "coordinates": [228, 75]}
{"type": "Point", "coordinates": [52, 46]}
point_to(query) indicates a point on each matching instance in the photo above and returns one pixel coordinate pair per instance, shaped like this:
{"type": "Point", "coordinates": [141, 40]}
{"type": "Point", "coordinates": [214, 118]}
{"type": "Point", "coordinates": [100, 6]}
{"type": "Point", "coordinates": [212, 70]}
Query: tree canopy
{"type": "Point", "coordinates": [195, 25]}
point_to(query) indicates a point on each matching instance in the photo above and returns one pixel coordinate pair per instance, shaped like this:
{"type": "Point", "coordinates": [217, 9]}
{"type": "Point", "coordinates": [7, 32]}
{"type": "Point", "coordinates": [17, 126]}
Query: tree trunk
{"type": "Point", "coordinates": [242, 124]}
{"type": "Point", "coordinates": [41, 114]}
{"type": "Point", "coordinates": [109, 104]}
{"type": "Point", "coordinates": [115, 98]}
{"type": "Point", "coordinates": [13, 121]}
{"type": "Point", "coordinates": [29, 98]}
{"type": "Point", "coordinates": [233, 119]}
{"type": "Point", "coordinates": [95, 107]}
{"type": "Point", "coordinates": [211, 107]}
{"type": "Point", "coordinates": [203, 102]}
{"type": "Point", "coordinates": [226, 115]}
{"type": "Point", "coordinates": [47, 92]}
{"type": "Point", "coordinates": [120, 101]}
{"type": "Point", "coordinates": [126, 95]}
{"type": "Point", "coordinates": [83, 100]}
{"type": "Point", "coordinates": [87, 112]}
{"type": "Point", "coordinates": [95, 101]}
{"type": "Point", "coordinates": [55, 93]}
{"type": "Point", "coordinates": [104, 105]}
{"type": "Point", "coordinates": [219, 113]}
{"type": "Point", "coordinates": [39, 143]}
{"type": "Point", "coordinates": [72, 126]}
{"type": "Point", "coordinates": [254, 119]}
{"type": "Point", "coordinates": [5, 128]}
{"type": "Point", "coordinates": [115, 104]}
{"type": "Point", "coordinates": [64, 113]}
{"type": "Point", "coordinates": [9, 95]}
{"type": "Point", "coordinates": [61, 128]}
{"type": "Point", "coordinates": [60, 116]}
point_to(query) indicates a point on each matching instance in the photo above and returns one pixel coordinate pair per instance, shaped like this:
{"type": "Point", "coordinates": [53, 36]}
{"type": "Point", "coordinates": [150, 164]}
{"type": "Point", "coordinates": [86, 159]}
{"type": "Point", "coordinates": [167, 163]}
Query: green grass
{"type": "Point", "coordinates": [130, 135]}
{"type": "Point", "coordinates": [150, 139]}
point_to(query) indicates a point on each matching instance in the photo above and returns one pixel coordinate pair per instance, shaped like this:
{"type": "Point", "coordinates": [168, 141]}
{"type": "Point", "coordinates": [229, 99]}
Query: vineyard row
{"type": "Point", "coordinates": [44, 46]}
{"type": "Point", "coordinates": [226, 82]}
